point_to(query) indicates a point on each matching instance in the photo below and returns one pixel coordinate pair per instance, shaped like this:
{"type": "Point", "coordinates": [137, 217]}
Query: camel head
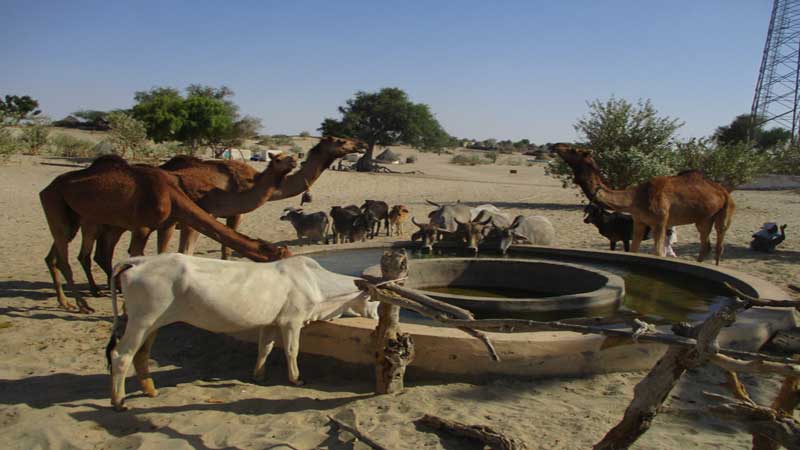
{"type": "Point", "coordinates": [282, 163]}
{"type": "Point", "coordinates": [580, 160]}
{"type": "Point", "coordinates": [338, 147]}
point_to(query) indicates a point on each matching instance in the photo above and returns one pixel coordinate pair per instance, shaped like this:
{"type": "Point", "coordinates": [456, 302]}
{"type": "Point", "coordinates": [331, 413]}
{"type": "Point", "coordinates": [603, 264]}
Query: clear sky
{"type": "Point", "coordinates": [488, 69]}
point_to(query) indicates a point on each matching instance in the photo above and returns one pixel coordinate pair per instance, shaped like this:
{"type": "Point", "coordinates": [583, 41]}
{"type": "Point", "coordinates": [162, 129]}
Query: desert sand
{"type": "Point", "coordinates": [54, 386]}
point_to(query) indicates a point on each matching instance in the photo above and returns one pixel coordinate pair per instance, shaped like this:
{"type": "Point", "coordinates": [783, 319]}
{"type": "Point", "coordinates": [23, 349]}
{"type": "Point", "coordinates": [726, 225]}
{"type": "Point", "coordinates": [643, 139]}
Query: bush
{"type": "Point", "coordinates": [8, 144]}
{"type": "Point", "coordinates": [491, 156]}
{"type": "Point", "coordinates": [515, 161]}
{"type": "Point", "coordinates": [275, 140]}
{"type": "Point", "coordinates": [784, 160]}
{"type": "Point", "coordinates": [305, 134]}
{"type": "Point", "coordinates": [631, 142]}
{"type": "Point", "coordinates": [127, 133]}
{"type": "Point", "coordinates": [70, 147]}
{"type": "Point", "coordinates": [468, 160]}
{"type": "Point", "coordinates": [34, 137]}
{"type": "Point", "coordinates": [729, 165]}
{"type": "Point", "coordinates": [411, 159]}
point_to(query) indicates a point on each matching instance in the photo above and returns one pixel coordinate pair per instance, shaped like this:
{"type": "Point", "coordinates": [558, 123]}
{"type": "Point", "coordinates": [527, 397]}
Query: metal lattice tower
{"type": "Point", "coordinates": [776, 96]}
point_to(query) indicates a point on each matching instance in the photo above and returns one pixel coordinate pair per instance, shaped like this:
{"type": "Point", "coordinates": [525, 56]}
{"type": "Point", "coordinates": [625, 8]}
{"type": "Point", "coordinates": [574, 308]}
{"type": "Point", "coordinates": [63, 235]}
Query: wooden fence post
{"type": "Point", "coordinates": [393, 350]}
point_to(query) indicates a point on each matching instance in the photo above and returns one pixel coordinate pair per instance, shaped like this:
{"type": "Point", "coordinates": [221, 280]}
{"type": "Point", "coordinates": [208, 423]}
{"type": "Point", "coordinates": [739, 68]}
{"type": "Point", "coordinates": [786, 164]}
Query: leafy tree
{"type": "Point", "coordinates": [209, 120]}
{"type": "Point", "coordinates": [34, 135]}
{"type": "Point", "coordinates": [127, 133]}
{"type": "Point", "coordinates": [730, 165]}
{"type": "Point", "coordinates": [784, 160]}
{"type": "Point", "coordinates": [163, 112]}
{"type": "Point", "coordinates": [304, 134]}
{"type": "Point", "coordinates": [14, 109]}
{"type": "Point", "coordinates": [742, 130]}
{"type": "Point", "coordinates": [631, 142]}
{"type": "Point", "coordinates": [386, 117]}
{"type": "Point", "coordinates": [8, 145]}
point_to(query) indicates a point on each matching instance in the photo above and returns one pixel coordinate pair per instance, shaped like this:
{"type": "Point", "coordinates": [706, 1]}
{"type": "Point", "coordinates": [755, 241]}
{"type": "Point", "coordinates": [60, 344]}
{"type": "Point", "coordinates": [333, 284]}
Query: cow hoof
{"type": "Point", "coordinates": [297, 382]}
{"type": "Point", "coordinates": [121, 407]}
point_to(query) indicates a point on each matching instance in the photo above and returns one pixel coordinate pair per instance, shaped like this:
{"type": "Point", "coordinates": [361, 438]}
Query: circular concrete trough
{"type": "Point", "coordinates": [451, 354]}
{"type": "Point", "coordinates": [562, 286]}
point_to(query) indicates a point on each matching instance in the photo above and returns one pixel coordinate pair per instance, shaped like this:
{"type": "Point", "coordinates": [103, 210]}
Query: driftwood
{"type": "Point", "coordinates": [780, 428]}
{"type": "Point", "coordinates": [753, 301]}
{"type": "Point", "coordinates": [357, 433]}
{"type": "Point", "coordinates": [482, 433]}
{"type": "Point", "coordinates": [651, 392]}
{"type": "Point", "coordinates": [736, 386]}
{"type": "Point", "coordinates": [785, 403]}
{"type": "Point", "coordinates": [393, 350]}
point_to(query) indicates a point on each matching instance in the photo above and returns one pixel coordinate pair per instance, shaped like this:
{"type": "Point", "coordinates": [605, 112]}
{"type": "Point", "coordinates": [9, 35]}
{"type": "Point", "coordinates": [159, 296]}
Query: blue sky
{"type": "Point", "coordinates": [506, 69]}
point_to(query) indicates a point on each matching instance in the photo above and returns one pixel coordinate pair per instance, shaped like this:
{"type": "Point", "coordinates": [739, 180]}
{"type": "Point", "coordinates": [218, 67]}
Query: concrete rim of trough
{"type": "Point", "coordinates": [450, 353]}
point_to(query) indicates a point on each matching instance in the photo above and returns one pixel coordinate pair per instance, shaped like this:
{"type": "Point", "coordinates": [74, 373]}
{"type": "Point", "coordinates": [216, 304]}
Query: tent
{"type": "Point", "coordinates": [388, 156]}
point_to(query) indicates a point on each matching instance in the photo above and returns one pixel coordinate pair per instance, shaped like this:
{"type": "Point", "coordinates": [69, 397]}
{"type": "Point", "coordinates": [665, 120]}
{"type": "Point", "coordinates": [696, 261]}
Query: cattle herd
{"type": "Point", "coordinates": [453, 222]}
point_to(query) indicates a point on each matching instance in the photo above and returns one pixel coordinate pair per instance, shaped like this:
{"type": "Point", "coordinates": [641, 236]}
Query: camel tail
{"type": "Point", "coordinates": [116, 329]}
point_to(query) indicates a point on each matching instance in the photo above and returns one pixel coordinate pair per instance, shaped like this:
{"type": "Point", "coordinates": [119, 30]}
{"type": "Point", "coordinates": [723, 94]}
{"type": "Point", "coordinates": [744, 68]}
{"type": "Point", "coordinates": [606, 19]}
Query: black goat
{"type": "Point", "coordinates": [613, 225]}
{"type": "Point", "coordinates": [379, 211]}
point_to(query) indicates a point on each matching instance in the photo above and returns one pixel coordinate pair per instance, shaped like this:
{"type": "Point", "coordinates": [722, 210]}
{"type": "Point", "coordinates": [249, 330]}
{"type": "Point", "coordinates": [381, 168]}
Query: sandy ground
{"type": "Point", "coordinates": [54, 384]}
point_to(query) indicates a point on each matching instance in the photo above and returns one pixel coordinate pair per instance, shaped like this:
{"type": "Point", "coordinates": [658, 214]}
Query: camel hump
{"type": "Point", "coordinates": [108, 161]}
{"type": "Point", "coordinates": [181, 162]}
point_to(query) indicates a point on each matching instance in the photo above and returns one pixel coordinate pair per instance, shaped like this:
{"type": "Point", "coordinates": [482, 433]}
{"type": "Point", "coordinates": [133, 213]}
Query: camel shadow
{"type": "Point", "coordinates": [33, 290]}
{"type": "Point", "coordinates": [739, 252]}
{"type": "Point", "coordinates": [48, 313]}
{"type": "Point", "coordinates": [527, 205]}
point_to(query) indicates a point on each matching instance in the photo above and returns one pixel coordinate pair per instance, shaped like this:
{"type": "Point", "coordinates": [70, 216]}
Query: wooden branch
{"type": "Point", "coordinates": [753, 301]}
{"type": "Point", "coordinates": [795, 288]}
{"type": "Point", "coordinates": [452, 310]}
{"type": "Point", "coordinates": [357, 433]}
{"type": "Point", "coordinates": [736, 386]}
{"type": "Point", "coordinates": [651, 392]}
{"type": "Point", "coordinates": [735, 365]}
{"type": "Point", "coordinates": [785, 402]}
{"type": "Point", "coordinates": [483, 338]}
{"type": "Point", "coordinates": [482, 433]}
{"type": "Point", "coordinates": [777, 427]}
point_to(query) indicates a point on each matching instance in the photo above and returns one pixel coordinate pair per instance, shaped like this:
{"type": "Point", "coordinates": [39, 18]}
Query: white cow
{"type": "Point", "coordinates": [223, 297]}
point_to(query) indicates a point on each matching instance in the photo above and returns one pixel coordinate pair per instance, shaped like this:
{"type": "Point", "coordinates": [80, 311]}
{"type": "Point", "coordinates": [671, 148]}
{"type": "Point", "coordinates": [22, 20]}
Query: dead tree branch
{"type": "Point", "coordinates": [753, 301]}
{"type": "Point", "coordinates": [357, 433]}
{"type": "Point", "coordinates": [482, 433]}
{"type": "Point", "coordinates": [779, 428]}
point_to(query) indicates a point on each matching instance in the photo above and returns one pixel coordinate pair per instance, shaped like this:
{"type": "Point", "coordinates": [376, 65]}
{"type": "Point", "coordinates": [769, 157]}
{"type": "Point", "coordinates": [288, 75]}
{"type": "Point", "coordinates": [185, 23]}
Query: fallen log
{"type": "Point", "coordinates": [481, 433]}
{"type": "Point", "coordinates": [357, 433]}
{"type": "Point", "coordinates": [780, 428]}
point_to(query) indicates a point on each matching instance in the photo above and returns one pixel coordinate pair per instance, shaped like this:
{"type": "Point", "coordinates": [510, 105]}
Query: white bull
{"type": "Point", "coordinates": [223, 297]}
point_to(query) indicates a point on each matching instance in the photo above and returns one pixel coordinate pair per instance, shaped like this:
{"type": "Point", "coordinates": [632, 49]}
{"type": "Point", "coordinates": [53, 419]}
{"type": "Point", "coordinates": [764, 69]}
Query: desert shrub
{"type": "Point", "coordinates": [468, 160]}
{"type": "Point", "coordinates": [411, 159]}
{"type": "Point", "coordinates": [127, 133]}
{"type": "Point", "coordinates": [515, 161]}
{"type": "Point", "coordinates": [784, 160]}
{"type": "Point", "coordinates": [8, 144]}
{"type": "Point", "coordinates": [34, 137]}
{"type": "Point", "coordinates": [275, 139]}
{"type": "Point", "coordinates": [631, 142]}
{"type": "Point", "coordinates": [729, 165]}
{"type": "Point", "coordinates": [68, 146]}
{"type": "Point", "coordinates": [305, 134]}
{"type": "Point", "coordinates": [492, 156]}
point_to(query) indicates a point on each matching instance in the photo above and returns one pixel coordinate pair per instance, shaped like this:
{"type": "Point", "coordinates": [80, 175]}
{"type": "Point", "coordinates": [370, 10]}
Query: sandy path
{"type": "Point", "coordinates": [54, 385]}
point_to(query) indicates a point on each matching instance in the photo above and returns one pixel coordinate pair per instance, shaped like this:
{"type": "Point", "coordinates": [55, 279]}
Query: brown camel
{"type": "Point", "coordinates": [229, 189]}
{"type": "Point", "coordinates": [659, 203]}
{"type": "Point", "coordinates": [128, 197]}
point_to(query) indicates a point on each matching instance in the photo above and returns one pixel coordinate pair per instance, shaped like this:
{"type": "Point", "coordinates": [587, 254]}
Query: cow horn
{"type": "Point", "coordinates": [415, 222]}
{"type": "Point", "coordinates": [434, 204]}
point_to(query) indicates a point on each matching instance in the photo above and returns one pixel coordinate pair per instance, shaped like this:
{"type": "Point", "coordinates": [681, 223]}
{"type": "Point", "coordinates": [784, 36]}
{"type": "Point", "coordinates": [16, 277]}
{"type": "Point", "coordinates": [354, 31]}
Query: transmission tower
{"type": "Point", "coordinates": [776, 96]}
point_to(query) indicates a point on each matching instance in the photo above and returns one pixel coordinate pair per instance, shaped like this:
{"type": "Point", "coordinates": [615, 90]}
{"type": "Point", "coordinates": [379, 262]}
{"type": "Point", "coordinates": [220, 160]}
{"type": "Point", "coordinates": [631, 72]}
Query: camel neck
{"type": "Point", "coordinates": [597, 191]}
{"type": "Point", "coordinates": [310, 170]}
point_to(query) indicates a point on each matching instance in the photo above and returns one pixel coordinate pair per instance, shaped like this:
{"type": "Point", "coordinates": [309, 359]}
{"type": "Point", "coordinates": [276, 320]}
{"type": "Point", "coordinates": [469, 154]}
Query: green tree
{"type": "Point", "coordinates": [209, 120]}
{"type": "Point", "coordinates": [386, 117]}
{"type": "Point", "coordinates": [631, 142]}
{"type": "Point", "coordinates": [97, 120]}
{"type": "Point", "coordinates": [14, 109]}
{"type": "Point", "coordinates": [127, 133]}
{"type": "Point", "coordinates": [744, 128]}
{"type": "Point", "coordinates": [730, 165]}
{"type": "Point", "coordinates": [34, 135]}
{"type": "Point", "coordinates": [163, 112]}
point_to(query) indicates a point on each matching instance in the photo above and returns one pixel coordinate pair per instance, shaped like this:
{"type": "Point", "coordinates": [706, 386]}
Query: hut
{"type": "Point", "coordinates": [388, 157]}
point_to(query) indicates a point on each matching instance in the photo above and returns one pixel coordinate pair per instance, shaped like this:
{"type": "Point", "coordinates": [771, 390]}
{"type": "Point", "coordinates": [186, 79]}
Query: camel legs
{"type": "Point", "coordinates": [232, 223]}
{"type": "Point", "coordinates": [63, 227]}
{"type": "Point", "coordinates": [89, 233]}
{"type": "Point", "coordinates": [638, 234]}
{"type": "Point", "coordinates": [107, 241]}
{"type": "Point", "coordinates": [189, 238]}
{"type": "Point", "coordinates": [659, 234]}
{"type": "Point", "coordinates": [266, 340]}
{"type": "Point", "coordinates": [164, 235]}
{"type": "Point", "coordinates": [138, 241]}
{"type": "Point", "coordinates": [141, 364]}
{"type": "Point", "coordinates": [704, 228]}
